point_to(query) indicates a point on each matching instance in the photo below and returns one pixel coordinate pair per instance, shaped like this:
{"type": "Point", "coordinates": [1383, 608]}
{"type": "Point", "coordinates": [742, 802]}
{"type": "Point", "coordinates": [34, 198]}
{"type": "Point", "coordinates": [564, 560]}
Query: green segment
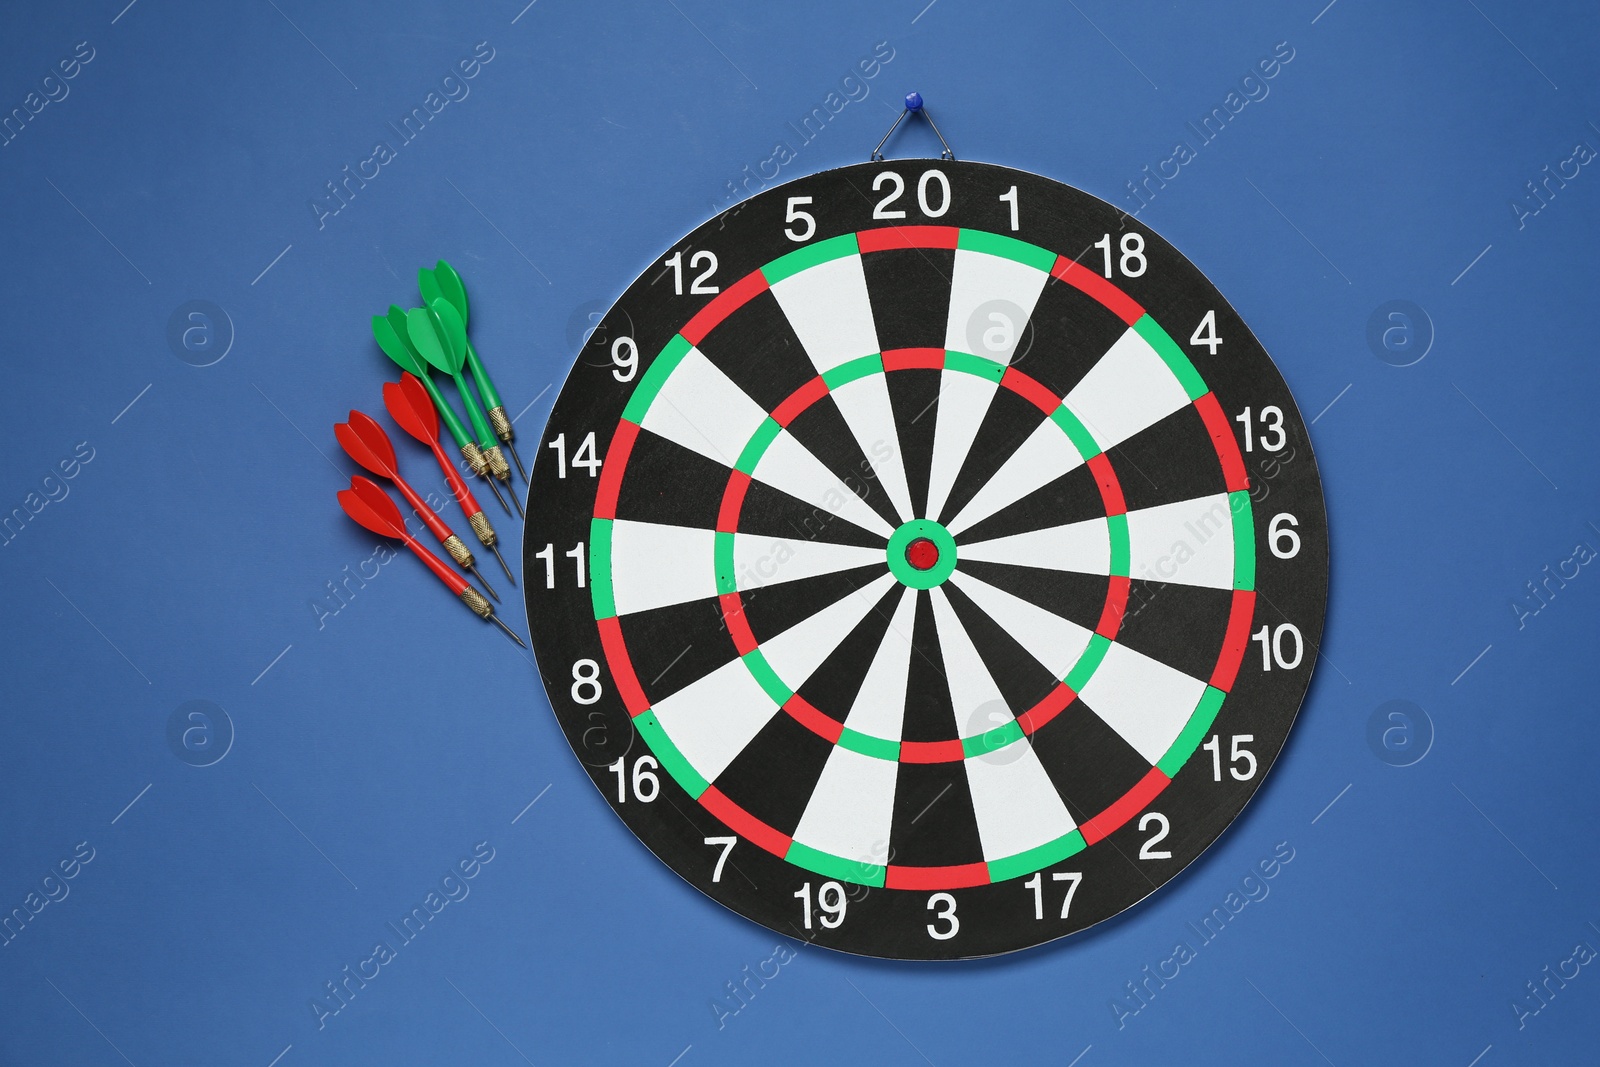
{"type": "Point", "coordinates": [1176, 361]}
{"type": "Point", "coordinates": [672, 760]}
{"type": "Point", "coordinates": [722, 554]}
{"type": "Point", "coordinates": [850, 371]}
{"type": "Point", "coordinates": [1244, 541]}
{"type": "Point", "coordinates": [991, 740]}
{"type": "Point", "coordinates": [1007, 248]}
{"type": "Point", "coordinates": [758, 666]}
{"type": "Point", "coordinates": [753, 448]}
{"type": "Point", "coordinates": [867, 745]}
{"type": "Point", "coordinates": [1205, 713]}
{"type": "Point", "coordinates": [661, 369]}
{"type": "Point", "coordinates": [1121, 552]}
{"type": "Point", "coordinates": [805, 258]}
{"type": "Point", "coordinates": [829, 866]}
{"type": "Point", "coordinates": [1036, 859]}
{"type": "Point", "coordinates": [1077, 432]}
{"type": "Point", "coordinates": [605, 605]}
{"type": "Point", "coordinates": [1088, 663]}
{"type": "Point", "coordinates": [970, 364]}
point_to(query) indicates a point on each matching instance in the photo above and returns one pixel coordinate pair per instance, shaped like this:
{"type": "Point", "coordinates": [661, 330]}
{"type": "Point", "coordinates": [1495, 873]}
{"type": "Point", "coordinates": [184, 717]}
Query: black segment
{"type": "Point", "coordinates": [1170, 460]}
{"type": "Point", "coordinates": [910, 293]}
{"type": "Point", "coordinates": [934, 824]}
{"type": "Point", "coordinates": [676, 645]}
{"type": "Point", "coordinates": [670, 484]}
{"type": "Point", "coordinates": [772, 609]}
{"type": "Point", "coordinates": [1009, 422]}
{"type": "Point", "coordinates": [1176, 624]}
{"type": "Point", "coordinates": [770, 512]}
{"type": "Point", "coordinates": [833, 686]}
{"type": "Point", "coordinates": [1089, 762]}
{"type": "Point", "coordinates": [914, 397]}
{"type": "Point", "coordinates": [773, 777]}
{"type": "Point", "coordinates": [930, 715]}
{"type": "Point", "coordinates": [1073, 497]}
{"type": "Point", "coordinates": [933, 820]}
{"type": "Point", "coordinates": [1079, 598]}
{"type": "Point", "coordinates": [822, 429]}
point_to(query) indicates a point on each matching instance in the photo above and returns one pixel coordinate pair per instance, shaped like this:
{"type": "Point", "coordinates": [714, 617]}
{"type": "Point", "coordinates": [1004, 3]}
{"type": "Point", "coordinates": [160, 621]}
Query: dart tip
{"type": "Point", "coordinates": [509, 576]}
{"type": "Point", "coordinates": [496, 491]}
{"type": "Point", "coordinates": [509, 632]}
{"type": "Point", "coordinates": [518, 459]}
{"type": "Point", "coordinates": [487, 588]}
{"type": "Point", "coordinates": [515, 500]}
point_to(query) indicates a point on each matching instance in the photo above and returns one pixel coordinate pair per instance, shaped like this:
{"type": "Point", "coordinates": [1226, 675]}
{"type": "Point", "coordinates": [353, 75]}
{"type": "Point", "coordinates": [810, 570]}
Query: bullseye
{"type": "Point", "coordinates": [922, 554]}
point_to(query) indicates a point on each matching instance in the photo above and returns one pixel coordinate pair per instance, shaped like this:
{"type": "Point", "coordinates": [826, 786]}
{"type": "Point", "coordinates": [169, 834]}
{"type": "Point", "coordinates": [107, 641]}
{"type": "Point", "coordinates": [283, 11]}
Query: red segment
{"type": "Point", "coordinates": [1236, 640]}
{"type": "Point", "coordinates": [621, 667]}
{"type": "Point", "coordinates": [958, 877]}
{"type": "Point", "coordinates": [726, 303]}
{"type": "Point", "coordinates": [605, 497]}
{"type": "Point", "coordinates": [1132, 802]}
{"type": "Point", "coordinates": [1224, 442]}
{"type": "Point", "coordinates": [732, 502]}
{"type": "Point", "coordinates": [1090, 283]}
{"type": "Point", "coordinates": [744, 824]}
{"type": "Point", "coordinates": [1030, 390]}
{"type": "Point", "coordinates": [799, 400]}
{"type": "Point", "coordinates": [738, 626]}
{"type": "Point", "coordinates": [907, 237]}
{"type": "Point", "coordinates": [914, 359]}
{"type": "Point", "coordinates": [806, 714]}
{"type": "Point", "coordinates": [1110, 488]}
{"type": "Point", "coordinates": [1116, 604]}
{"type": "Point", "coordinates": [922, 554]}
{"type": "Point", "coordinates": [1054, 703]}
{"type": "Point", "coordinates": [931, 751]}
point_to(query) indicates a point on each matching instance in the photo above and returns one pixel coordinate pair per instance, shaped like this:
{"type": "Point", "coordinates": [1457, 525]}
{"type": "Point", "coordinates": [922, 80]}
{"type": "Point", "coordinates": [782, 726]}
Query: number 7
{"type": "Point", "coordinates": [727, 844]}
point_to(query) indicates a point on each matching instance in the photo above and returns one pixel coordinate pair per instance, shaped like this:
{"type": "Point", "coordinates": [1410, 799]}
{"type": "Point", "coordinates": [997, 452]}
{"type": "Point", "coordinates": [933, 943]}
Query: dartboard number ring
{"type": "Point", "coordinates": [925, 560]}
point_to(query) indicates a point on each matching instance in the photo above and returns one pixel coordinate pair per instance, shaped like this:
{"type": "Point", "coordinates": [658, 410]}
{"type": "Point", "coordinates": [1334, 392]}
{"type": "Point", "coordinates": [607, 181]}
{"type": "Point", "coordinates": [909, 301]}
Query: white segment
{"type": "Point", "coordinates": [978, 279]}
{"type": "Point", "coordinates": [712, 719]}
{"type": "Point", "coordinates": [829, 309]}
{"type": "Point", "coordinates": [788, 465]}
{"type": "Point", "coordinates": [851, 807]}
{"type": "Point", "coordinates": [864, 403]}
{"type": "Point", "coordinates": [798, 651]}
{"type": "Point", "coordinates": [653, 565]}
{"type": "Point", "coordinates": [1143, 700]}
{"type": "Point", "coordinates": [1016, 805]}
{"type": "Point", "coordinates": [974, 697]}
{"type": "Point", "coordinates": [1128, 389]}
{"type": "Point", "coordinates": [1084, 547]}
{"type": "Point", "coordinates": [880, 704]}
{"type": "Point", "coordinates": [1055, 642]}
{"type": "Point", "coordinates": [1046, 455]}
{"type": "Point", "coordinates": [963, 400]}
{"type": "Point", "coordinates": [759, 560]}
{"type": "Point", "coordinates": [701, 409]}
{"type": "Point", "coordinates": [1189, 542]}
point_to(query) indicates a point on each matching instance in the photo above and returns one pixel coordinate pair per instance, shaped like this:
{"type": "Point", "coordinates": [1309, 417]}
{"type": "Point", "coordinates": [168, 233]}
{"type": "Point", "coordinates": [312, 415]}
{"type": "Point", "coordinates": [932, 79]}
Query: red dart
{"type": "Point", "coordinates": [369, 446]}
{"type": "Point", "coordinates": [412, 409]}
{"type": "Point", "coordinates": [370, 506]}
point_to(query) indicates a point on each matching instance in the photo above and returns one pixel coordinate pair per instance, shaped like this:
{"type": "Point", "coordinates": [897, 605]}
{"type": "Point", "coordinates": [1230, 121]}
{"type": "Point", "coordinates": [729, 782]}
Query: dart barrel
{"type": "Point", "coordinates": [480, 526]}
{"type": "Point", "coordinates": [458, 551]}
{"type": "Point", "coordinates": [500, 423]}
{"type": "Point", "coordinates": [474, 600]}
{"type": "Point", "coordinates": [497, 463]}
{"type": "Point", "coordinates": [474, 458]}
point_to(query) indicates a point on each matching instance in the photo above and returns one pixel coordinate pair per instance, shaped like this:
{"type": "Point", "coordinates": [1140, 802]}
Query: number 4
{"type": "Point", "coordinates": [1206, 333]}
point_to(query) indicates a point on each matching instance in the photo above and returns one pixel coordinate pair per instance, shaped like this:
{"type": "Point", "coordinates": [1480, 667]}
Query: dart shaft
{"type": "Point", "coordinates": [480, 424]}
{"type": "Point", "coordinates": [438, 566]}
{"type": "Point", "coordinates": [486, 389]}
{"type": "Point", "coordinates": [435, 525]}
{"type": "Point", "coordinates": [458, 487]}
{"type": "Point", "coordinates": [446, 412]}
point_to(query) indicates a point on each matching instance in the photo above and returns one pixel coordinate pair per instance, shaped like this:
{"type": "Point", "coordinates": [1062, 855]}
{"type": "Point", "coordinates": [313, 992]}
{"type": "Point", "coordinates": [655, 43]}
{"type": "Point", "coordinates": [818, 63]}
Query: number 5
{"type": "Point", "coordinates": [796, 215]}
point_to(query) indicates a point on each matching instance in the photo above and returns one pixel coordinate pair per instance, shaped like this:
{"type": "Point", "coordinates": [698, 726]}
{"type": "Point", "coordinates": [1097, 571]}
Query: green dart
{"type": "Point", "coordinates": [393, 337]}
{"type": "Point", "coordinates": [437, 343]}
{"type": "Point", "coordinates": [443, 282]}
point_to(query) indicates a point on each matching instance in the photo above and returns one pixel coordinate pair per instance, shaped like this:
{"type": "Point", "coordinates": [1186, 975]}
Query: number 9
{"type": "Point", "coordinates": [625, 355]}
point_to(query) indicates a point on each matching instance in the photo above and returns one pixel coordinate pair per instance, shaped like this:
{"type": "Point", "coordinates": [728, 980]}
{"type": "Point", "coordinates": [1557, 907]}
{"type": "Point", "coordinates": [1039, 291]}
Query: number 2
{"type": "Point", "coordinates": [1148, 851]}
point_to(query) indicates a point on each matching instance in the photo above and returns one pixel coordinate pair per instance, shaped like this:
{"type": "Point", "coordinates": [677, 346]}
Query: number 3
{"type": "Point", "coordinates": [948, 915]}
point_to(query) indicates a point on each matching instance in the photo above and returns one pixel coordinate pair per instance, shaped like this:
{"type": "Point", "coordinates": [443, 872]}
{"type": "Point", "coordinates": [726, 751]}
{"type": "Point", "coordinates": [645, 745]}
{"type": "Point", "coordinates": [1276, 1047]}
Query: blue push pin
{"type": "Point", "coordinates": [913, 101]}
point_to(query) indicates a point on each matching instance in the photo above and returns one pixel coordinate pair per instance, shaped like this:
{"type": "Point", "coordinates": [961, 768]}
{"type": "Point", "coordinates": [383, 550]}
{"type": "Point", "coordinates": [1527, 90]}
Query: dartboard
{"type": "Point", "coordinates": [925, 560]}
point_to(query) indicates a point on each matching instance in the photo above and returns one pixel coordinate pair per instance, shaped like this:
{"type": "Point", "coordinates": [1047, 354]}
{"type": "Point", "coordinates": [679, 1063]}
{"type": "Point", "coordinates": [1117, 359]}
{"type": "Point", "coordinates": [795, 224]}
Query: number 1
{"type": "Point", "coordinates": [1010, 197]}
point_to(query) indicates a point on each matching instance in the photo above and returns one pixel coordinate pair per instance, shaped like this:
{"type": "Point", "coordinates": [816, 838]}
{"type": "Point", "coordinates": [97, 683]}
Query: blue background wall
{"type": "Point", "coordinates": [365, 752]}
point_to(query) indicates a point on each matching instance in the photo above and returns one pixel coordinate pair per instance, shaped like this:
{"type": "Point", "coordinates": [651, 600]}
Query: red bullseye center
{"type": "Point", "coordinates": [922, 554]}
